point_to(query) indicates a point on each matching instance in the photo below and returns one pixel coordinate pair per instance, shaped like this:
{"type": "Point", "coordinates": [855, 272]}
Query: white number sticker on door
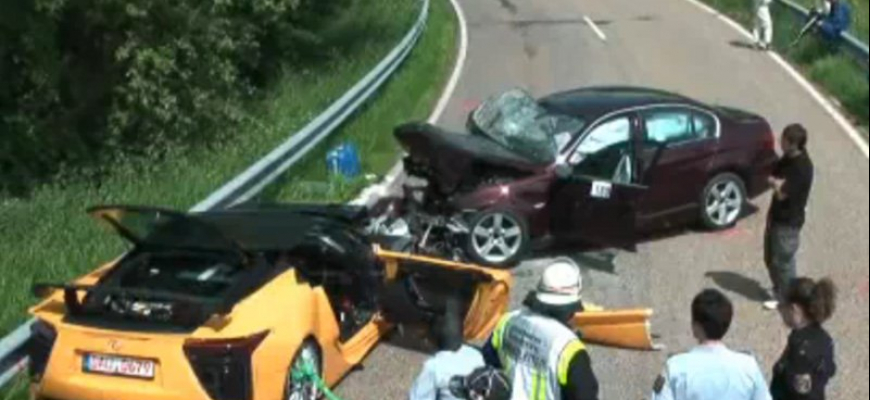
{"type": "Point", "coordinates": [601, 190]}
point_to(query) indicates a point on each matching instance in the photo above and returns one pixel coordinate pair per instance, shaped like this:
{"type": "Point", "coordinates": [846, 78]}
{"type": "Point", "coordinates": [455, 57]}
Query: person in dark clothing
{"type": "Point", "coordinates": [537, 348]}
{"type": "Point", "coordinates": [792, 182]}
{"type": "Point", "coordinates": [835, 20]}
{"type": "Point", "coordinates": [808, 364]}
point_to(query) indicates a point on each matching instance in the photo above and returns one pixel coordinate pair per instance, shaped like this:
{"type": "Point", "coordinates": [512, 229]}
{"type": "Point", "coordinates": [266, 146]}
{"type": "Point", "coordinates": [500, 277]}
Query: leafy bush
{"type": "Point", "coordinates": [83, 82]}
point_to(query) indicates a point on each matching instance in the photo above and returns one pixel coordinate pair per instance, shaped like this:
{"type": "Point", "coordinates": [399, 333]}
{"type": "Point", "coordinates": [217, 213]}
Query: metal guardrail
{"type": "Point", "coordinates": [264, 172]}
{"type": "Point", "coordinates": [856, 47]}
{"type": "Point", "coordinates": [13, 357]}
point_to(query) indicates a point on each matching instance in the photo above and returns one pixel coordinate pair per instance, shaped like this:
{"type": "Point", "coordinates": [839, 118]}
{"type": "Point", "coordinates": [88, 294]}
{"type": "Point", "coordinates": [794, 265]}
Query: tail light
{"type": "Point", "coordinates": [223, 367]}
{"type": "Point", "coordinates": [42, 339]}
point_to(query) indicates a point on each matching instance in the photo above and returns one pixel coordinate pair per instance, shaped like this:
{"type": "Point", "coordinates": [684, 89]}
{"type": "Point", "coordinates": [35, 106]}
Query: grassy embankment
{"type": "Point", "coordinates": [409, 97]}
{"type": "Point", "coordinates": [834, 70]}
{"type": "Point", "coordinates": [47, 237]}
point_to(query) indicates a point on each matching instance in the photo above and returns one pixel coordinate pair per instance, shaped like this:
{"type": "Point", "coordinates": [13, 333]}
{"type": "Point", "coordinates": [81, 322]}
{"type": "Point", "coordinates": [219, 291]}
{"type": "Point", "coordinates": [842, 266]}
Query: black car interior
{"type": "Point", "coordinates": [421, 293]}
{"type": "Point", "coordinates": [343, 264]}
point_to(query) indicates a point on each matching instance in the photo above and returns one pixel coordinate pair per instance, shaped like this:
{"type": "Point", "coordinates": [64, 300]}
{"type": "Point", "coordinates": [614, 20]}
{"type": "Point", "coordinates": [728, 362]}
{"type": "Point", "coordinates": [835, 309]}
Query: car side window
{"type": "Point", "coordinates": [669, 127]}
{"type": "Point", "coordinates": [705, 125]}
{"type": "Point", "coordinates": [605, 153]}
{"type": "Point", "coordinates": [674, 127]}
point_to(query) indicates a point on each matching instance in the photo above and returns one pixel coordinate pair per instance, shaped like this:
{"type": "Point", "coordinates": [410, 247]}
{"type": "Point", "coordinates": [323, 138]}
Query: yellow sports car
{"type": "Point", "coordinates": [225, 305]}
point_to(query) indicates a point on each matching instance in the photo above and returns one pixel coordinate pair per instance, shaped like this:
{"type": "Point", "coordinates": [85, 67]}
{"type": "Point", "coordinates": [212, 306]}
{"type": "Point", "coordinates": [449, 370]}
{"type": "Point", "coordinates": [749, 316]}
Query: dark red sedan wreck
{"type": "Point", "coordinates": [596, 165]}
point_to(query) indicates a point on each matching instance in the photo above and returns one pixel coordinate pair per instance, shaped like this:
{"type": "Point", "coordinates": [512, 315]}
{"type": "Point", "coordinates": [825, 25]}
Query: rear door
{"type": "Point", "coordinates": [684, 141]}
{"type": "Point", "coordinates": [596, 202]}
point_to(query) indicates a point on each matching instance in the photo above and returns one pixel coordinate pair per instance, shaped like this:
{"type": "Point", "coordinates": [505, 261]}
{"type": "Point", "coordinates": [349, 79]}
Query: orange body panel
{"type": "Point", "coordinates": [290, 311]}
{"type": "Point", "coordinates": [628, 329]}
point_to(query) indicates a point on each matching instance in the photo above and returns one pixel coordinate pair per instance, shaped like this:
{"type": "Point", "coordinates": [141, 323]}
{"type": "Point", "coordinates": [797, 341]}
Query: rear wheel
{"type": "Point", "coordinates": [304, 389]}
{"type": "Point", "coordinates": [498, 239]}
{"type": "Point", "coordinates": [723, 202]}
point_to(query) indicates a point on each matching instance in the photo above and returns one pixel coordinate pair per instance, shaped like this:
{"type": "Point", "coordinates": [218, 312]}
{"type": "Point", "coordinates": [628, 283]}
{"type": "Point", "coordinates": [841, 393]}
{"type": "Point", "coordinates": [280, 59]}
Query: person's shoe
{"type": "Point", "coordinates": [771, 305]}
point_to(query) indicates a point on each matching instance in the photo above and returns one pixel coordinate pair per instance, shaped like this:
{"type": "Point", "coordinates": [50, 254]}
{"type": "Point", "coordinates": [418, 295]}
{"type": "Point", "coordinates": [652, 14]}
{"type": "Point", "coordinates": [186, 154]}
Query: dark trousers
{"type": "Point", "coordinates": [781, 245]}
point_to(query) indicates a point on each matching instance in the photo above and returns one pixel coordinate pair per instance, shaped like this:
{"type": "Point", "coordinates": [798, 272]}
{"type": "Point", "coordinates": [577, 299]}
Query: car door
{"type": "Point", "coordinates": [420, 290]}
{"type": "Point", "coordinates": [595, 197]}
{"type": "Point", "coordinates": [684, 141]}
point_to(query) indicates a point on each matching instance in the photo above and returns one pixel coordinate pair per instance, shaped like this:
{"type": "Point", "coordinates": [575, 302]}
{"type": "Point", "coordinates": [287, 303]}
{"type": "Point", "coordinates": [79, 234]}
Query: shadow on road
{"type": "Point", "coordinates": [741, 44]}
{"type": "Point", "coordinates": [739, 284]}
{"type": "Point", "coordinates": [601, 261]}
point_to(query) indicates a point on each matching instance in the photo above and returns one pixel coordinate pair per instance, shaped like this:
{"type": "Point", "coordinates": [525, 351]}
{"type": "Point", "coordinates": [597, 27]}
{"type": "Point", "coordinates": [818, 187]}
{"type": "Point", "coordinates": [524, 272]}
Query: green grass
{"type": "Point", "coordinates": [410, 95]}
{"type": "Point", "coordinates": [49, 238]}
{"type": "Point", "coordinates": [833, 70]}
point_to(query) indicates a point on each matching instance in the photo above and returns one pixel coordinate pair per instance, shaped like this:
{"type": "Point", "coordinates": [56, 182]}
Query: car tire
{"type": "Point", "coordinates": [309, 351]}
{"type": "Point", "coordinates": [497, 239]}
{"type": "Point", "coordinates": [723, 202]}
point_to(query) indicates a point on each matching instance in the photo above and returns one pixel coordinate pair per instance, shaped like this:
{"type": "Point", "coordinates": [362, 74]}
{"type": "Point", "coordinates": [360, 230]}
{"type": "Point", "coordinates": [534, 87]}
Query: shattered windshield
{"type": "Point", "coordinates": [516, 121]}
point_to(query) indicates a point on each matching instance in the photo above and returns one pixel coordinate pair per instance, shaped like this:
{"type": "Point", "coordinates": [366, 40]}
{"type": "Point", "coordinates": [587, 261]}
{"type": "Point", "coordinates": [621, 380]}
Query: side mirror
{"type": "Point", "coordinates": [564, 171]}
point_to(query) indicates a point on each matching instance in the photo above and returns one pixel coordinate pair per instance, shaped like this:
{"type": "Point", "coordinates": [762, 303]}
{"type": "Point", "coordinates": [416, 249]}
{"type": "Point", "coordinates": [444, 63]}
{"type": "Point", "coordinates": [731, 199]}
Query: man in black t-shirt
{"type": "Point", "coordinates": [792, 182]}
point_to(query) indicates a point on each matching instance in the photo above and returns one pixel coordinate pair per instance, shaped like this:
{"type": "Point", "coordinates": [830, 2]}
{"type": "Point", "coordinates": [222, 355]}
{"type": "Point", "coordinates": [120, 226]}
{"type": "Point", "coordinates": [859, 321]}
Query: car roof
{"type": "Point", "coordinates": [595, 102]}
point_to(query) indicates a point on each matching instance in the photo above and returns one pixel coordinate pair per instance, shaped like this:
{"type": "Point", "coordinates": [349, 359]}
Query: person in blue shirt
{"type": "Point", "coordinates": [836, 19]}
{"type": "Point", "coordinates": [455, 359]}
{"type": "Point", "coordinates": [711, 371]}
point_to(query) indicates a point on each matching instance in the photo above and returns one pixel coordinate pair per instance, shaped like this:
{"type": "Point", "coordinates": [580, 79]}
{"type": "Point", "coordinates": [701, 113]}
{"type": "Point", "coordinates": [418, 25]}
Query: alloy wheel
{"type": "Point", "coordinates": [497, 238]}
{"type": "Point", "coordinates": [724, 203]}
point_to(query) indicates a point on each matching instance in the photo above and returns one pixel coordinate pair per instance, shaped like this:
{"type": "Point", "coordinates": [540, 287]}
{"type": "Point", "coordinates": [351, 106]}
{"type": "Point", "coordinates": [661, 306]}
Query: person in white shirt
{"type": "Point", "coordinates": [454, 359]}
{"type": "Point", "coordinates": [763, 32]}
{"type": "Point", "coordinates": [711, 371]}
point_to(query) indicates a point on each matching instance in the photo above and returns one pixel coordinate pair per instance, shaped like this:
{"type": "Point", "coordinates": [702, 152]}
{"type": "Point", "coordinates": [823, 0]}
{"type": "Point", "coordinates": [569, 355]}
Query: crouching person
{"type": "Point", "coordinates": [454, 359]}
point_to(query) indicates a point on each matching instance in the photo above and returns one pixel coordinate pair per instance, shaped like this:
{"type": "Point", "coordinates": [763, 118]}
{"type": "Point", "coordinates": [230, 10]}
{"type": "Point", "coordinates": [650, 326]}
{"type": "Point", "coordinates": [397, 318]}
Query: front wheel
{"type": "Point", "coordinates": [723, 202]}
{"type": "Point", "coordinates": [498, 239]}
{"type": "Point", "coordinates": [297, 388]}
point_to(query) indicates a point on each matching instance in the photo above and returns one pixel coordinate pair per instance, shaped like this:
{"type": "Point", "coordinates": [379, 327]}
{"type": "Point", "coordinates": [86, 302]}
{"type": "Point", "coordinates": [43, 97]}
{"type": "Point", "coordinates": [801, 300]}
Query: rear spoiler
{"type": "Point", "coordinates": [187, 309]}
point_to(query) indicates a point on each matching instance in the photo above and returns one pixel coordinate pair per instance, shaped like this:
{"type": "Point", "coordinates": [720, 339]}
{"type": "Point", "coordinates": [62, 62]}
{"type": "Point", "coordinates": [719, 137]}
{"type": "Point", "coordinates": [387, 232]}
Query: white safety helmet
{"type": "Point", "coordinates": [561, 284]}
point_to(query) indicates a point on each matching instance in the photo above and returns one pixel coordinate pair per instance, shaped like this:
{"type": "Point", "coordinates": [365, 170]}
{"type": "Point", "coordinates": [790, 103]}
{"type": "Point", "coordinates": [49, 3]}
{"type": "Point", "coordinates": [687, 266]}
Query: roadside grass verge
{"type": "Point", "coordinates": [410, 95]}
{"type": "Point", "coordinates": [832, 69]}
{"type": "Point", "coordinates": [860, 10]}
{"type": "Point", "coordinates": [48, 237]}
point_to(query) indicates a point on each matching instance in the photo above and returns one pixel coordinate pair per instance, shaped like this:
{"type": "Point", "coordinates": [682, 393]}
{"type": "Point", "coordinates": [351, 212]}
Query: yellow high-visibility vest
{"type": "Point", "coordinates": [536, 354]}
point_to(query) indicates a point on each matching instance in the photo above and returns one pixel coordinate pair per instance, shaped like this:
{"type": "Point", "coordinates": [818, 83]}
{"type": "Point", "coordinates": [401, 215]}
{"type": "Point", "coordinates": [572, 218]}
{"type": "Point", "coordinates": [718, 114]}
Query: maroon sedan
{"type": "Point", "coordinates": [596, 165]}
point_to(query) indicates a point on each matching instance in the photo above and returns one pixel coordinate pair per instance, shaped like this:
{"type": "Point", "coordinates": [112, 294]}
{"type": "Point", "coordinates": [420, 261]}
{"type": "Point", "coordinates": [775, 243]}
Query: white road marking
{"type": "Point", "coordinates": [595, 28]}
{"type": "Point", "coordinates": [378, 191]}
{"type": "Point", "coordinates": [841, 120]}
{"type": "Point", "coordinates": [457, 70]}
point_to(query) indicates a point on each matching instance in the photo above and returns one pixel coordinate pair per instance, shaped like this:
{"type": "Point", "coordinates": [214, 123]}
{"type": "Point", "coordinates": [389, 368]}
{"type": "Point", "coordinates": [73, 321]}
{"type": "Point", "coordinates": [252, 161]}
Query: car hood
{"type": "Point", "coordinates": [155, 227]}
{"type": "Point", "coordinates": [448, 155]}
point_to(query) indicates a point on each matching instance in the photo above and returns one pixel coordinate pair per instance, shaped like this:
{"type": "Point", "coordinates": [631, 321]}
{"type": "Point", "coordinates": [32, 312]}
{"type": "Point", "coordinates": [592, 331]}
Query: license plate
{"type": "Point", "coordinates": [118, 366]}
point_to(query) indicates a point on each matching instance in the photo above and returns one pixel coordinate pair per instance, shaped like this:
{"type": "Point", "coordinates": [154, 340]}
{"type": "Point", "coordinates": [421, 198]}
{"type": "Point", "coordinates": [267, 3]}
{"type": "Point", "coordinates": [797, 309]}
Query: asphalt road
{"type": "Point", "coordinates": [546, 46]}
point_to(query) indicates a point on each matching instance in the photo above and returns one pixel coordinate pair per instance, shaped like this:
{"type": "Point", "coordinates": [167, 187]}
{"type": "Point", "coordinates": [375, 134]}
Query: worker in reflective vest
{"type": "Point", "coordinates": [542, 356]}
